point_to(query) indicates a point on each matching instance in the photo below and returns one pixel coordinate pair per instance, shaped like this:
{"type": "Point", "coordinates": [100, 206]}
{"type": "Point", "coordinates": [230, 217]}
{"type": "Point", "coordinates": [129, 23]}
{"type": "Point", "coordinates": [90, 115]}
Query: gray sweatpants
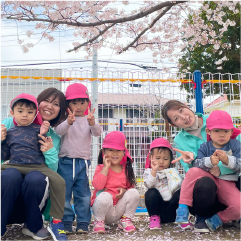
{"type": "Point", "coordinates": [56, 185]}
{"type": "Point", "coordinates": [103, 208]}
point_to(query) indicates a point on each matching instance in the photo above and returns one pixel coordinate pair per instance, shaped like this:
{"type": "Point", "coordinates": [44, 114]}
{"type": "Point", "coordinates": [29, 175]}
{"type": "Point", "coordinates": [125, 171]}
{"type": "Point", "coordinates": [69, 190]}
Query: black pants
{"type": "Point", "coordinates": [21, 197]}
{"type": "Point", "coordinates": [157, 206]}
{"type": "Point", "coordinates": [205, 201]}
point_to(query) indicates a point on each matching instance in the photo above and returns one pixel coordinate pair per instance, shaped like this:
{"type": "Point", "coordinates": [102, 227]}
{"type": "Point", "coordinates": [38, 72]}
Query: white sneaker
{"type": "Point", "coordinates": [43, 233]}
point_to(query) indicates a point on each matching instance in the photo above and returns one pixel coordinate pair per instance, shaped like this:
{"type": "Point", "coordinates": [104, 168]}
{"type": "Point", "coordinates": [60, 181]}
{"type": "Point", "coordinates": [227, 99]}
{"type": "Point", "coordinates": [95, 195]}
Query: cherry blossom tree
{"type": "Point", "coordinates": [204, 57]}
{"type": "Point", "coordinates": [164, 27]}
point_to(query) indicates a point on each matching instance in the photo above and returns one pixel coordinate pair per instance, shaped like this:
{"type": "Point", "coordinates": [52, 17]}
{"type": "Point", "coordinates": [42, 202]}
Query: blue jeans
{"type": "Point", "coordinates": [78, 183]}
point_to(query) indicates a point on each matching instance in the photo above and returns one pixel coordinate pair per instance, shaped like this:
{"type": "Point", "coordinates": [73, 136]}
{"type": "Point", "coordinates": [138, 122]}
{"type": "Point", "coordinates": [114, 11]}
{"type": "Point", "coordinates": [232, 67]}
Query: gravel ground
{"type": "Point", "coordinates": [168, 232]}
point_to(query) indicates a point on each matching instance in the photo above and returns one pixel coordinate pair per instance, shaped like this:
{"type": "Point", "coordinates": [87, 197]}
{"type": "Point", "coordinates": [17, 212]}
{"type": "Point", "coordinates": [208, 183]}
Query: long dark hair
{"type": "Point", "coordinates": [129, 169]}
{"type": "Point", "coordinates": [47, 93]}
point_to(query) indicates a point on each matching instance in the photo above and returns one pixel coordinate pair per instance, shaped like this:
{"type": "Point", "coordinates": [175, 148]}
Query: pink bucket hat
{"type": "Point", "coordinates": [221, 120]}
{"type": "Point", "coordinates": [117, 140]}
{"type": "Point", "coordinates": [38, 119]}
{"type": "Point", "coordinates": [159, 142]}
{"type": "Point", "coordinates": [77, 91]}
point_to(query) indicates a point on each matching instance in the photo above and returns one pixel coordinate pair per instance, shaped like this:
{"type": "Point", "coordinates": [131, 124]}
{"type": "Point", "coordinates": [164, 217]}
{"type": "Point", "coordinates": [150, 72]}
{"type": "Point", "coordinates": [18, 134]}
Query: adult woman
{"type": "Point", "coordinates": [23, 199]}
{"type": "Point", "coordinates": [187, 142]}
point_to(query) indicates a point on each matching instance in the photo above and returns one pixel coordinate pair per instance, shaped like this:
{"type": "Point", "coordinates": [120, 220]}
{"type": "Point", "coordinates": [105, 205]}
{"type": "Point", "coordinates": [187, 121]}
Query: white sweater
{"type": "Point", "coordinates": [166, 182]}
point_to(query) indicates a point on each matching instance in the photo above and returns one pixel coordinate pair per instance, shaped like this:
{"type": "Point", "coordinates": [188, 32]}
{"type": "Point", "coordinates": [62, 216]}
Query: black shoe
{"type": "Point", "coordinates": [200, 226]}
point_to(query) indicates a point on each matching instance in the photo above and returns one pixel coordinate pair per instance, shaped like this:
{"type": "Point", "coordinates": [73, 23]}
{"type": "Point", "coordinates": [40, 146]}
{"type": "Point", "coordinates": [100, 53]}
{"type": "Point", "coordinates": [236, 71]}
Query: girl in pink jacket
{"type": "Point", "coordinates": [114, 198]}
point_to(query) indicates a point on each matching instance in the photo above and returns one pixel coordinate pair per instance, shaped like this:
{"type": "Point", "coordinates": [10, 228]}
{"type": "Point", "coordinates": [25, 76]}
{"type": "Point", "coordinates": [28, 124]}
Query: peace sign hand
{"type": "Point", "coordinates": [91, 117]}
{"type": "Point", "coordinates": [71, 117]}
{"type": "Point", "coordinates": [187, 156]}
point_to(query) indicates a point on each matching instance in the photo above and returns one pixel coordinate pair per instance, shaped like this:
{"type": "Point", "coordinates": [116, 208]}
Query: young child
{"type": "Point", "coordinates": [21, 147]}
{"type": "Point", "coordinates": [221, 147]}
{"type": "Point", "coordinates": [163, 185]}
{"type": "Point", "coordinates": [114, 197]}
{"type": "Point", "coordinates": [74, 156]}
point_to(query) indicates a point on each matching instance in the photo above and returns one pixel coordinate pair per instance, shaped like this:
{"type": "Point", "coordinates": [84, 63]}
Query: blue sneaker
{"type": "Point", "coordinates": [82, 227]}
{"type": "Point", "coordinates": [182, 215]}
{"type": "Point", "coordinates": [214, 222]}
{"type": "Point", "coordinates": [57, 231]}
{"type": "Point", "coordinates": [68, 227]}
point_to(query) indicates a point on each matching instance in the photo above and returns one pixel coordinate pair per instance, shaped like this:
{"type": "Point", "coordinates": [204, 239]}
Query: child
{"type": "Point", "coordinates": [21, 148]}
{"type": "Point", "coordinates": [221, 147]}
{"type": "Point", "coordinates": [114, 197]}
{"type": "Point", "coordinates": [74, 156]}
{"type": "Point", "coordinates": [163, 185]}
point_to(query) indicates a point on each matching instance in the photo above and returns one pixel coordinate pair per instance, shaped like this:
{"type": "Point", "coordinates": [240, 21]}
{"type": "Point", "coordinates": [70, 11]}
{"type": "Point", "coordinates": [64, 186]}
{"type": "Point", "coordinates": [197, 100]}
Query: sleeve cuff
{"type": "Point", "coordinates": [231, 162]}
{"type": "Point", "coordinates": [50, 151]}
{"type": "Point", "coordinates": [208, 162]}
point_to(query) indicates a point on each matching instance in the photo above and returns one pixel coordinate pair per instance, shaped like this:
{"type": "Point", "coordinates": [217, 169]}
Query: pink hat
{"type": "Point", "coordinates": [38, 119]}
{"type": "Point", "coordinates": [221, 120]}
{"type": "Point", "coordinates": [77, 91]}
{"type": "Point", "coordinates": [117, 140]}
{"type": "Point", "coordinates": [159, 142]}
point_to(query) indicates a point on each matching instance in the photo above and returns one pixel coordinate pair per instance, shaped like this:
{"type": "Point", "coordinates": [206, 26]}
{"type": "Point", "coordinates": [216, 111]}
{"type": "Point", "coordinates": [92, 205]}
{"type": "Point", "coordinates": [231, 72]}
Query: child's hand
{"type": "Point", "coordinates": [46, 143]}
{"type": "Point", "coordinates": [154, 165]}
{"type": "Point", "coordinates": [223, 157]}
{"type": "Point", "coordinates": [214, 158]}
{"type": "Point", "coordinates": [3, 132]}
{"type": "Point", "coordinates": [106, 161]}
{"type": "Point", "coordinates": [71, 117]}
{"type": "Point", "coordinates": [44, 127]}
{"type": "Point", "coordinates": [91, 117]}
{"type": "Point", "coordinates": [121, 192]}
{"type": "Point", "coordinates": [187, 156]}
{"type": "Point", "coordinates": [215, 171]}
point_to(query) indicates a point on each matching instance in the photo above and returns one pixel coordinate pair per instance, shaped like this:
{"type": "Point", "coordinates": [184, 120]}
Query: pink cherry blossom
{"type": "Point", "coordinates": [163, 27]}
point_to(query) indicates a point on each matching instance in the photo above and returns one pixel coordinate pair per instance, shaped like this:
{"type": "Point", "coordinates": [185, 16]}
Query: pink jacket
{"type": "Point", "coordinates": [110, 183]}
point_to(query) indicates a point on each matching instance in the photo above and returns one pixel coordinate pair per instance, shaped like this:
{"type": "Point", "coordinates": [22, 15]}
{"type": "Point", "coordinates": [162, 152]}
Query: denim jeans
{"type": "Point", "coordinates": [77, 182]}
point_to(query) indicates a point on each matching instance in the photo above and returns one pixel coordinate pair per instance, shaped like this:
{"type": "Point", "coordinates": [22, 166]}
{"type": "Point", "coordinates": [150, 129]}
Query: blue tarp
{"type": "Point", "coordinates": [138, 210]}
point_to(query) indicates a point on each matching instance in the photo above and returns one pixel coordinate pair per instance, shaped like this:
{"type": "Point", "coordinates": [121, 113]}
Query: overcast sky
{"type": "Point", "coordinates": [11, 52]}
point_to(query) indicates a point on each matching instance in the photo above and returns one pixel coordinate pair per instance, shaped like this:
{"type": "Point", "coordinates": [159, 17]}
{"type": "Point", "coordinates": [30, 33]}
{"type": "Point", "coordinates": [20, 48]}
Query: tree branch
{"type": "Point", "coordinates": [92, 39]}
{"type": "Point", "coordinates": [144, 30]}
{"type": "Point", "coordinates": [112, 21]}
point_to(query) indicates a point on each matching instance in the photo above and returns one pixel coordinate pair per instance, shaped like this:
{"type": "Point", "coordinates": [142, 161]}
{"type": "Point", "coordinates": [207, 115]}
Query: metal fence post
{"type": "Point", "coordinates": [121, 124]}
{"type": "Point", "coordinates": [198, 91]}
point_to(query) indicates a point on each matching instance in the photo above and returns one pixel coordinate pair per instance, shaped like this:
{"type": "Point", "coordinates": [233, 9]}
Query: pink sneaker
{"type": "Point", "coordinates": [126, 225]}
{"type": "Point", "coordinates": [189, 225]}
{"type": "Point", "coordinates": [186, 226]}
{"type": "Point", "coordinates": [99, 226]}
{"type": "Point", "coordinates": [155, 222]}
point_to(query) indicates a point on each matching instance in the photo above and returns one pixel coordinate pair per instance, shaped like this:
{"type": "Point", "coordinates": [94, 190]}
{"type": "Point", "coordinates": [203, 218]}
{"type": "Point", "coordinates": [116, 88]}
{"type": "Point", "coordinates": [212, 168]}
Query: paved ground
{"type": "Point", "coordinates": [168, 232]}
